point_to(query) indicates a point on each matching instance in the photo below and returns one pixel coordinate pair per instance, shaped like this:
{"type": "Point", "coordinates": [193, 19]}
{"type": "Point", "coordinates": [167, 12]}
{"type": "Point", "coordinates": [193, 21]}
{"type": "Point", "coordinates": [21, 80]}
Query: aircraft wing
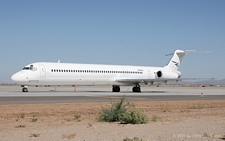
{"type": "Point", "coordinates": [134, 81]}
{"type": "Point", "coordinates": [159, 80]}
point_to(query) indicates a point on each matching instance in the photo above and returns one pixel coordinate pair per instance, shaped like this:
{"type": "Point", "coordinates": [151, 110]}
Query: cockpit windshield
{"type": "Point", "coordinates": [28, 68]}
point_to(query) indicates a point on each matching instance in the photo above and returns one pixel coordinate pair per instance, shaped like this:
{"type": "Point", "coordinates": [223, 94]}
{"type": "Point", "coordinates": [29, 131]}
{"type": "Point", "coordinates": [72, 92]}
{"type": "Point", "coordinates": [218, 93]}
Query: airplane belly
{"type": "Point", "coordinates": [75, 80]}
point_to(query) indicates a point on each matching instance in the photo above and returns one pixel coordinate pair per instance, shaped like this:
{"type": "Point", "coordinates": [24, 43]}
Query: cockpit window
{"type": "Point", "coordinates": [26, 68]}
{"type": "Point", "coordinates": [29, 68]}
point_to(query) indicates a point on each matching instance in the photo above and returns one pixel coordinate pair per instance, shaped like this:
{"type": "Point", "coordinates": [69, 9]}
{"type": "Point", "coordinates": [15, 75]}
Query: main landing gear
{"type": "Point", "coordinates": [25, 89]}
{"type": "Point", "coordinates": [115, 88]}
{"type": "Point", "coordinates": [136, 89]}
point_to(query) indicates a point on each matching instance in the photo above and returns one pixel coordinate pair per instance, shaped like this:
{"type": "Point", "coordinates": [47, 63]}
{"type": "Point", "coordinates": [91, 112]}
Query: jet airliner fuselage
{"type": "Point", "coordinates": [44, 73]}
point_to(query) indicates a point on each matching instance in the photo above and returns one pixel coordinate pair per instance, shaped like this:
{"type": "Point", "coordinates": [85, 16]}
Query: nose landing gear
{"type": "Point", "coordinates": [25, 89]}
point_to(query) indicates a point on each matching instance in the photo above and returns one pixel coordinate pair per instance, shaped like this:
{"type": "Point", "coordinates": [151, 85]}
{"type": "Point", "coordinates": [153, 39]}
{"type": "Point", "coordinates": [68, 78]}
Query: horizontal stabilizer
{"type": "Point", "coordinates": [192, 52]}
{"type": "Point", "coordinates": [178, 55]}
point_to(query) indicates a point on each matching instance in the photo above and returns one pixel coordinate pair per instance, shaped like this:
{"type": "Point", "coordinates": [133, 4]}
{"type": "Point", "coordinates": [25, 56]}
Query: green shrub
{"type": "Point", "coordinates": [123, 112]}
{"type": "Point", "coordinates": [77, 116]}
{"type": "Point", "coordinates": [134, 117]}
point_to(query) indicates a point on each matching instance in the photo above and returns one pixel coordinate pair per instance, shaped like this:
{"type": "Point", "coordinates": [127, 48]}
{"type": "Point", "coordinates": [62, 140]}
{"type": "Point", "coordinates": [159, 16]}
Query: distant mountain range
{"type": "Point", "coordinates": [204, 82]}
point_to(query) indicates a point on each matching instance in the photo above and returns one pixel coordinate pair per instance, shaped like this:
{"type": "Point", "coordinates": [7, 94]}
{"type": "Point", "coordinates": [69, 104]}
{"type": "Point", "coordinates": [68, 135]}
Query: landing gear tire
{"type": "Point", "coordinates": [24, 90]}
{"type": "Point", "coordinates": [136, 89]}
{"type": "Point", "coordinates": [116, 89]}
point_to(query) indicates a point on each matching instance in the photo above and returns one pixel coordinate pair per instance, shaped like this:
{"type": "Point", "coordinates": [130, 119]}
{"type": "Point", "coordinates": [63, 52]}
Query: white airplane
{"type": "Point", "coordinates": [44, 73]}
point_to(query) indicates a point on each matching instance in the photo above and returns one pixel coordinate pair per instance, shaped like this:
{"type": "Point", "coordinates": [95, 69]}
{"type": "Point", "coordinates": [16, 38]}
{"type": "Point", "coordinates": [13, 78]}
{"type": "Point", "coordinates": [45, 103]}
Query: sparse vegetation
{"type": "Point", "coordinates": [91, 114]}
{"type": "Point", "coordinates": [196, 107]}
{"type": "Point", "coordinates": [20, 116]}
{"type": "Point", "coordinates": [206, 135]}
{"type": "Point", "coordinates": [134, 117]}
{"type": "Point", "coordinates": [214, 136]}
{"type": "Point", "coordinates": [20, 126]}
{"type": "Point", "coordinates": [77, 116]}
{"type": "Point", "coordinates": [182, 111]}
{"type": "Point", "coordinates": [154, 117]}
{"type": "Point", "coordinates": [134, 139]}
{"type": "Point", "coordinates": [69, 136]}
{"type": "Point", "coordinates": [185, 110]}
{"type": "Point", "coordinates": [211, 106]}
{"type": "Point", "coordinates": [34, 119]}
{"type": "Point", "coordinates": [123, 112]}
{"type": "Point", "coordinates": [164, 108]}
{"type": "Point", "coordinates": [89, 125]}
{"type": "Point", "coordinates": [35, 135]}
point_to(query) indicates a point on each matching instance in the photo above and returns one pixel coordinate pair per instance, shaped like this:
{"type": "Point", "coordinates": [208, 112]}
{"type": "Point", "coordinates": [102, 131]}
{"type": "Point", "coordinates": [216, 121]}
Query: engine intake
{"type": "Point", "coordinates": [167, 74]}
{"type": "Point", "coordinates": [159, 74]}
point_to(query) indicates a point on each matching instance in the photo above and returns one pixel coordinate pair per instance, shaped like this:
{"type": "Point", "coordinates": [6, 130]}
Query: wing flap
{"type": "Point", "coordinates": [159, 80]}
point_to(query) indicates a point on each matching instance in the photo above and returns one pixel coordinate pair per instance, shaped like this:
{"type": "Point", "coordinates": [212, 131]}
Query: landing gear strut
{"type": "Point", "coordinates": [25, 89]}
{"type": "Point", "coordinates": [115, 88]}
{"type": "Point", "coordinates": [136, 89]}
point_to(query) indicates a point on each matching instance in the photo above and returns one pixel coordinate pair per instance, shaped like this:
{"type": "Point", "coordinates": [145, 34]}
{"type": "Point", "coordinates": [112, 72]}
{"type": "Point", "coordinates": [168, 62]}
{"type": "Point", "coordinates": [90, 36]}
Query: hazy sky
{"type": "Point", "coordinates": [113, 32]}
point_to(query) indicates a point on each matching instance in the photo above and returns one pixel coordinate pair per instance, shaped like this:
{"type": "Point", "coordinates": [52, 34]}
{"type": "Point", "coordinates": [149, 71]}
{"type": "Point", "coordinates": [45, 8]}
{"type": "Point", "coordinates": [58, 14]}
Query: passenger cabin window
{"type": "Point", "coordinates": [86, 71]}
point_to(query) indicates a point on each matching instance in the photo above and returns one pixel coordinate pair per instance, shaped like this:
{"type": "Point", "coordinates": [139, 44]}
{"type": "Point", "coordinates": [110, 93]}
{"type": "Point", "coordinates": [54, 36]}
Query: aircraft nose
{"type": "Point", "coordinates": [17, 77]}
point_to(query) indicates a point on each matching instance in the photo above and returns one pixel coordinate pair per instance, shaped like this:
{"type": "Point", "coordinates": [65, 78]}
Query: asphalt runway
{"type": "Point", "coordinates": [38, 95]}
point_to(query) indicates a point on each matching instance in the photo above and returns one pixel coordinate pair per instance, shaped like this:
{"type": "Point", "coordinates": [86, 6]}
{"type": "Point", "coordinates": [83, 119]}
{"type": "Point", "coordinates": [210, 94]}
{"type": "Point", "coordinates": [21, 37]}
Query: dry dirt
{"type": "Point", "coordinates": [177, 120]}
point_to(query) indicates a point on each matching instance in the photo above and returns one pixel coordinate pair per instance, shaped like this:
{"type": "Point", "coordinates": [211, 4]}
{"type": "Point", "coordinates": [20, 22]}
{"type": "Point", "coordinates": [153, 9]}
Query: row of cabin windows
{"type": "Point", "coordinates": [96, 71]}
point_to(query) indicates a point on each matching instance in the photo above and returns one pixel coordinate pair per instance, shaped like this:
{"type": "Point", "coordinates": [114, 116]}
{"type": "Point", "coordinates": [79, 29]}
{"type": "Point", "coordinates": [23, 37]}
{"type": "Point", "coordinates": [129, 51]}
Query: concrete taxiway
{"type": "Point", "coordinates": [14, 95]}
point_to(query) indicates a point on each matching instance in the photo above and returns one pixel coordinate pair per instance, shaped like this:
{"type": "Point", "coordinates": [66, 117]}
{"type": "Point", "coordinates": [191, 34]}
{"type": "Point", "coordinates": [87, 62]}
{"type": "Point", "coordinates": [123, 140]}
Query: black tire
{"type": "Point", "coordinates": [113, 89]}
{"type": "Point", "coordinates": [136, 89]}
{"type": "Point", "coordinates": [116, 89]}
{"type": "Point", "coordinates": [133, 89]}
{"type": "Point", "coordinates": [24, 90]}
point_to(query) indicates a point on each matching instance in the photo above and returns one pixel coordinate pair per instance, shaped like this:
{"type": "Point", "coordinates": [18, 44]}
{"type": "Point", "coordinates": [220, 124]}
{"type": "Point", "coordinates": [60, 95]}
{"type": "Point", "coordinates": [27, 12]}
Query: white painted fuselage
{"type": "Point", "coordinates": [44, 73]}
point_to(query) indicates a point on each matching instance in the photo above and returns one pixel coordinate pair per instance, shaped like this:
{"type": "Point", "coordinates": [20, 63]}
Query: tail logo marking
{"type": "Point", "coordinates": [176, 64]}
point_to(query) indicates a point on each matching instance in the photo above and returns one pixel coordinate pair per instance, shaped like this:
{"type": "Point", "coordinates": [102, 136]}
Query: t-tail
{"type": "Point", "coordinates": [178, 56]}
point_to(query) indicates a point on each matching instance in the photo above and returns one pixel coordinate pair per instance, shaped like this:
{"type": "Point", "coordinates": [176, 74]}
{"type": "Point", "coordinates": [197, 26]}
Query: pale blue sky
{"type": "Point", "coordinates": [113, 32]}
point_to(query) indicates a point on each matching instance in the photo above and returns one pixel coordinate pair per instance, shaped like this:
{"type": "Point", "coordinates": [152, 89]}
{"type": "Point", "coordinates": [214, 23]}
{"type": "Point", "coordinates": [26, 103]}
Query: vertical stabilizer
{"type": "Point", "coordinates": [174, 63]}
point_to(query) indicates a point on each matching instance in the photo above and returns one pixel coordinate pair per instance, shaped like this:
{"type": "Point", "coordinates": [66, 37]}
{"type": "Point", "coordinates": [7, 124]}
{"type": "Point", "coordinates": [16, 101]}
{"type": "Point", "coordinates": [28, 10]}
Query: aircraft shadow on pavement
{"type": "Point", "coordinates": [123, 92]}
{"type": "Point", "coordinates": [89, 91]}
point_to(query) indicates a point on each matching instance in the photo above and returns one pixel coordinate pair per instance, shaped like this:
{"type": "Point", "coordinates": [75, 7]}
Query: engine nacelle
{"type": "Point", "coordinates": [167, 74]}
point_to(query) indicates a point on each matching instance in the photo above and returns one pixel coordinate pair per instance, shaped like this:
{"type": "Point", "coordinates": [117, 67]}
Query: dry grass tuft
{"type": "Point", "coordinates": [134, 139]}
{"type": "Point", "coordinates": [196, 107]}
{"type": "Point", "coordinates": [68, 136]}
{"type": "Point", "coordinates": [35, 135]}
{"type": "Point", "coordinates": [155, 118]}
{"type": "Point", "coordinates": [34, 119]}
{"type": "Point", "coordinates": [20, 126]}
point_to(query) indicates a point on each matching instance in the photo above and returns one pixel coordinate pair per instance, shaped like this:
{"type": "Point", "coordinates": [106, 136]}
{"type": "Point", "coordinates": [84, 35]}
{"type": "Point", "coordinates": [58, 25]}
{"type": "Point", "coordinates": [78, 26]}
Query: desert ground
{"type": "Point", "coordinates": [168, 120]}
